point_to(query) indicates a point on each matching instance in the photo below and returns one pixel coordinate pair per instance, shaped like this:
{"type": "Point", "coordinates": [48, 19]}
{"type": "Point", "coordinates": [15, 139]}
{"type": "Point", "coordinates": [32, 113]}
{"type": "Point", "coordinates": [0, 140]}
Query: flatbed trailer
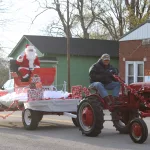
{"type": "Point", "coordinates": [34, 111]}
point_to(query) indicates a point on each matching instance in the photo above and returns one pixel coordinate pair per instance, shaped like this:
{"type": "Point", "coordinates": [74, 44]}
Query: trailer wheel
{"type": "Point", "coordinates": [90, 117]}
{"type": "Point", "coordinates": [30, 119]}
{"type": "Point", "coordinates": [75, 122]}
{"type": "Point", "coordinates": [138, 130]}
{"type": "Point", "coordinates": [40, 116]}
{"type": "Point", "coordinates": [121, 119]}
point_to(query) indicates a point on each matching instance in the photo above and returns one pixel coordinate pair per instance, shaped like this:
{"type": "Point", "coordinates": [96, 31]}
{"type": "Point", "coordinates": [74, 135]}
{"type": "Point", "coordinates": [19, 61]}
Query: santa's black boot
{"type": "Point", "coordinates": [25, 79]}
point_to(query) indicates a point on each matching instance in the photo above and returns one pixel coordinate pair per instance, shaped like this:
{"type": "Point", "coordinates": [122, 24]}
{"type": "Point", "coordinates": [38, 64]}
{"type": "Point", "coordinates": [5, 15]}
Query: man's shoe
{"type": "Point", "coordinates": [108, 100]}
{"type": "Point", "coordinates": [117, 101]}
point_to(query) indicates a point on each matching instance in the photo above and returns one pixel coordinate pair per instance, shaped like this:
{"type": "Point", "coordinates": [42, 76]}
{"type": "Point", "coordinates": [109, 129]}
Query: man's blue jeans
{"type": "Point", "coordinates": [102, 88]}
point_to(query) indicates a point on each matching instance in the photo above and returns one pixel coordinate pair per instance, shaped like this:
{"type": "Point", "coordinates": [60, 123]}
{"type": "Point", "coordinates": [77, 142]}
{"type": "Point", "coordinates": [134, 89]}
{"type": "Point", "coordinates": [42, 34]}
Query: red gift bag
{"type": "Point", "coordinates": [86, 91]}
{"type": "Point", "coordinates": [77, 91]}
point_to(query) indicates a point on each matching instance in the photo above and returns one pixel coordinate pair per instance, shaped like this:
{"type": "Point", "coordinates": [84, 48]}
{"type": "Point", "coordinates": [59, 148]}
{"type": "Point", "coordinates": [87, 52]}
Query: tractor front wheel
{"type": "Point", "coordinates": [138, 131]}
{"type": "Point", "coordinates": [90, 117]}
{"type": "Point", "coordinates": [121, 119]}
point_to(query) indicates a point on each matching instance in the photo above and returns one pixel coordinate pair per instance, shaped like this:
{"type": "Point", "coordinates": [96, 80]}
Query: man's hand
{"type": "Point", "coordinates": [114, 71]}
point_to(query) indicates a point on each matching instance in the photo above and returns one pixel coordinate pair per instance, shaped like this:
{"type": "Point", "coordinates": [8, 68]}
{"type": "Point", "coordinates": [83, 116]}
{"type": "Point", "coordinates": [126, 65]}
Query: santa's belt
{"type": "Point", "coordinates": [23, 68]}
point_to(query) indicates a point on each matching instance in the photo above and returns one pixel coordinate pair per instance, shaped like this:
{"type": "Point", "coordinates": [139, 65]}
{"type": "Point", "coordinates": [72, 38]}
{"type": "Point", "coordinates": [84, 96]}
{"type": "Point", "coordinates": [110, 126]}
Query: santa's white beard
{"type": "Point", "coordinates": [31, 57]}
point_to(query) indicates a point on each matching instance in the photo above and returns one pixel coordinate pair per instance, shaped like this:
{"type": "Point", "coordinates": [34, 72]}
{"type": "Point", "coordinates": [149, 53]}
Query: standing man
{"type": "Point", "coordinates": [101, 77]}
{"type": "Point", "coordinates": [27, 62]}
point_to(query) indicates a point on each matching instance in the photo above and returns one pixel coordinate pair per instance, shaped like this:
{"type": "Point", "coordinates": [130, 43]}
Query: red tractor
{"type": "Point", "coordinates": [127, 117]}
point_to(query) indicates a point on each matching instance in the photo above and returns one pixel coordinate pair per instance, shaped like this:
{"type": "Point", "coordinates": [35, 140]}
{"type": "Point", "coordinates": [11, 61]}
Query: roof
{"type": "Point", "coordinates": [138, 32]}
{"type": "Point", "coordinates": [84, 47]}
{"type": "Point", "coordinates": [48, 58]}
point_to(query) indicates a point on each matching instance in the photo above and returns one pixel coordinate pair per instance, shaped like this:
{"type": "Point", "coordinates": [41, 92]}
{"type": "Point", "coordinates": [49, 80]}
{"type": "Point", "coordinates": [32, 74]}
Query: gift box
{"type": "Point", "coordinates": [32, 85]}
{"type": "Point", "coordinates": [38, 85]}
{"type": "Point", "coordinates": [77, 91]}
{"type": "Point", "coordinates": [86, 91]}
{"type": "Point", "coordinates": [35, 94]}
{"type": "Point", "coordinates": [35, 79]}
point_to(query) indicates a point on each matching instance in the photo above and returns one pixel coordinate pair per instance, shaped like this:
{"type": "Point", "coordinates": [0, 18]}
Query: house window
{"type": "Point", "coordinates": [134, 71]}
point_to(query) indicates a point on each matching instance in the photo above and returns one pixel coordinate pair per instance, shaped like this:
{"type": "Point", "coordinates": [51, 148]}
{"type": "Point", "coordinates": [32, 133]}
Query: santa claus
{"type": "Point", "coordinates": [27, 62]}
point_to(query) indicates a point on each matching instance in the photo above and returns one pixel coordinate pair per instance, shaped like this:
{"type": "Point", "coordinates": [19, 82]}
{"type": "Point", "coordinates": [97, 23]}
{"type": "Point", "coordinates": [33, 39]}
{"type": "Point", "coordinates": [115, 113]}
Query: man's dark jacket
{"type": "Point", "coordinates": [98, 72]}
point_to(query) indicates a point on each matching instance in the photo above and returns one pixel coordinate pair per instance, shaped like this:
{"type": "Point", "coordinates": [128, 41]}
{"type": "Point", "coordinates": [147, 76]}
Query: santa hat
{"type": "Point", "coordinates": [28, 47]}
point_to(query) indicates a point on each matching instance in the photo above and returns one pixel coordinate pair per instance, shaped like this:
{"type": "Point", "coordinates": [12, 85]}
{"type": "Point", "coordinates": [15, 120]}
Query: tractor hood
{"type": "Point", "coordinates": [144, 85]}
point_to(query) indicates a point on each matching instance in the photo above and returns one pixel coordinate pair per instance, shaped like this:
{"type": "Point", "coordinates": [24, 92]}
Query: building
{"type": "Point", "coordinates": [134, 54]}
{"type": "Point", "coordinates": [83, 53]}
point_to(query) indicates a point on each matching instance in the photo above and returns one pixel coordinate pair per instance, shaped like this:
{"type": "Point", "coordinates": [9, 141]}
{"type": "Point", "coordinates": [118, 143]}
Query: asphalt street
{"type": "Point", "coordinates": [59, 133]}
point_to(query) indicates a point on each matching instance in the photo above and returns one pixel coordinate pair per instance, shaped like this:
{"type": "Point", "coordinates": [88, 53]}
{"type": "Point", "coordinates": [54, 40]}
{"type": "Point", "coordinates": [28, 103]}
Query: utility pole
{"type": "Point", "coordinates": [68, 47]}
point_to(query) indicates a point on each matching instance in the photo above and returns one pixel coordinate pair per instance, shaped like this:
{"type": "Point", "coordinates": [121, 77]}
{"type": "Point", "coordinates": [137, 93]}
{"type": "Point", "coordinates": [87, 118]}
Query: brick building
{"type": "Point", "coordinates": [134, 54]}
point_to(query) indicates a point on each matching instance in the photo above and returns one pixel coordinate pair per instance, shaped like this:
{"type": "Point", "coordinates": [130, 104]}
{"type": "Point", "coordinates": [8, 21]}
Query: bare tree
{"type": "Point", "coordinates": [60, 7]}
{"type": "Point", "coordinates": [82, 12]}
{"type": "Point", "coordinates": [98, 31]}
{"type": "Point", "coordinates": [4, 6]}
{"type": "Point", "coordinates": [112, 16]}
{"type": "Point", "coordinates": [86, 14]}
{"type": "Point", "coordinates": [4, 71]}
{"type": "Point", "coordinates": [120, 16]}
{"type": "Point", "coordinates": [2, 10]}
{"type": "Point", "coordinates": [138, 12]}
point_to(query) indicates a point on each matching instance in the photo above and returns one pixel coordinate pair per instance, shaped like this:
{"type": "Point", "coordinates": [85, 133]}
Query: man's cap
{"type": "Point", "coordinates": [105, 57]}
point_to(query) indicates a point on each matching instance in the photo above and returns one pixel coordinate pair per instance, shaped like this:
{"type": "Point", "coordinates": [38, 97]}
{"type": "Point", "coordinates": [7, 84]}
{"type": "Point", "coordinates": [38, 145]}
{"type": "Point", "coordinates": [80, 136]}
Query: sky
{"type": "Point", "coordinates": [20, 14]}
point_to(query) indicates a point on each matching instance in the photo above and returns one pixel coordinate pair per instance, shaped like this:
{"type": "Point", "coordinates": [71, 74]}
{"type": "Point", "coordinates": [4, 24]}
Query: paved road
{"type": "Point", "coordinates": [58, 133]}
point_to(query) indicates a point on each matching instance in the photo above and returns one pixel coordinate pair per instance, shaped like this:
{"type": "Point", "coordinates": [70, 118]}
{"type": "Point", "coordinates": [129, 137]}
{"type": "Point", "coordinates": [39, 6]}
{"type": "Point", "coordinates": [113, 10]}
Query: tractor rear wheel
{"type": "Point", "coordinates": [90, 116]}
{"type": "Point", "coordinates": [75, 121]}
{"type": "Point", "coordinates": [121, 119]}
{"type": "Point", "coordinates": [138, 131]}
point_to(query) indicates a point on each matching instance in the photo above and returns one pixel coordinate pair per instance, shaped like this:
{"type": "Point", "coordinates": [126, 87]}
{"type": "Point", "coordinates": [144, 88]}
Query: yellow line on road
{"type": "Point", "coordinates": [16, 116]}
{"type": "Point", "coordinates": [44, 119]}
{"type": "Point", "coordinates": [57, 120]}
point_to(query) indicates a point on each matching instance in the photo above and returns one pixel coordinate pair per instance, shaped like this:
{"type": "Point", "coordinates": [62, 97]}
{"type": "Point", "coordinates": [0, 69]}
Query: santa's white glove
{"type": "Point", "coordinates": [36, 66]}
{"type": "Point", "coordinates": [20, 58]}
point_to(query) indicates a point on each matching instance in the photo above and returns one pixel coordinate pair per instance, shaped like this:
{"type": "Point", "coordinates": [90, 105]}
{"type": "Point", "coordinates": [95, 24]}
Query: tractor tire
{"type": "Point", "coordinates": [30, 119]}
{"type": "Point", "coordinates": [90, 116]}
{"type": "Point", "coordinates": [121, 119]}
{"type": "Point", "coordinates": [75, 122]}
{"type": "Point", "coordinates": [138, 131]}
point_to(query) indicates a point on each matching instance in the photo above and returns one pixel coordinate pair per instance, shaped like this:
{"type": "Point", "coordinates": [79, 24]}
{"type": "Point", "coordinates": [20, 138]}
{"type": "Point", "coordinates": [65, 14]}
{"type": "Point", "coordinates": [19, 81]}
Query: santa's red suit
{"type": "Point", "coordinates": [27, 62]}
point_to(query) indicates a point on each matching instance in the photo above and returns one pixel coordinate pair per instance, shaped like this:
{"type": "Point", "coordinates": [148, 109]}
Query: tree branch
{"type": "Point", "coordinates": [39, 15]}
